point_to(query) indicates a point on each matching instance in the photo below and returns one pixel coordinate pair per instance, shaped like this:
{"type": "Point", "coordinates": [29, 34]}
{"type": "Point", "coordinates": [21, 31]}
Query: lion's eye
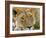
{"type": "Point", "coordinates": [30, 15]}
{"type": "Point", "coordinates": [22, 17]}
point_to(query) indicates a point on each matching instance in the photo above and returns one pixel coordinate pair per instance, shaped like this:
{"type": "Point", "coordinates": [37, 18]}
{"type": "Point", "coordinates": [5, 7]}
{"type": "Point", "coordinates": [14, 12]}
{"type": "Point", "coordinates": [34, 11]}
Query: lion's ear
{"type": "Point", "coordinates": [18, 10]}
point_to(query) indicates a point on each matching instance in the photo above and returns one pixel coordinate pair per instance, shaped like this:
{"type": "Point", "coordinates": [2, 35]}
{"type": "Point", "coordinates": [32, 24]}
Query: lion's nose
{"type": "Point", "coordinates": [29, 27]}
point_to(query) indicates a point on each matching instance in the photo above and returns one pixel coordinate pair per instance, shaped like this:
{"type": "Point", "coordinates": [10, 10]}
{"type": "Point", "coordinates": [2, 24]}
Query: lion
{"type": "Point", "coordinates": [24, 19]}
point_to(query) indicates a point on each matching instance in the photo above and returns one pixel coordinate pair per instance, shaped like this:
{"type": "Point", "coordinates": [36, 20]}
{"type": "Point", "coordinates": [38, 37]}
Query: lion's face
{"type": "Point", "coordinates": [24, 20]}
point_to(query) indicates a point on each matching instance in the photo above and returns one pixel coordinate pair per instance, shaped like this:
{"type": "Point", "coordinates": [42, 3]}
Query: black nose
{"type": "Point", "coordinates": [29, 27]}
